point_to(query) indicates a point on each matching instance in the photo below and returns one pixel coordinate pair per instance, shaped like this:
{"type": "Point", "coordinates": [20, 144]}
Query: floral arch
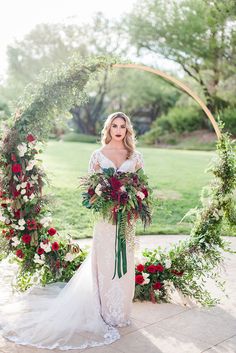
{"type": "Point", "coordinates": [28, 235]}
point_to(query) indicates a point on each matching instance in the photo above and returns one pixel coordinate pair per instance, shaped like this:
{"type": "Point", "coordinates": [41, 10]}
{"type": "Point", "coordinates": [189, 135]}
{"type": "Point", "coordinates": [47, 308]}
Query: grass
{"type": "Point", "coordinates": [177, 177]}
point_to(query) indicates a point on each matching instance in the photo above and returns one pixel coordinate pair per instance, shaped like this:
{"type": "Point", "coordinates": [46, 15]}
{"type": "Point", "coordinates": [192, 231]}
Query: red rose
{"type": "Point", "coordinates": [20, 254]}
{"type": "Point", "coordinates": [159, 268]}
{"type": "Point", "coordinates": [140, 268]}
{"type": "Point", "coordinates": [16, 168]}
{"type": "Point", "coordinates": [139, 279]}
{"type": "Point", "coordinates": [52, 231]}
{"type": "Point", "coordinates": [157, 285]}
{"type": "Point", "coordinates": [91, 191]}
{"type": "Point", "coordinates": [40, 251]}
{"type": "Point", "coordinates": [151, 269]}
{"type": "Point", "coordinates": [55, 246]}
{"type": "Point", "coordinates": [30, 138]}
{"type": "Point", "coordinates": [26, 238]}
{"type": "Point", "coordinates": [144, 190]}
{"type": "Point", "coordinates": [115, 183]}
{"type": "Point", "coordinates": [12, 231]}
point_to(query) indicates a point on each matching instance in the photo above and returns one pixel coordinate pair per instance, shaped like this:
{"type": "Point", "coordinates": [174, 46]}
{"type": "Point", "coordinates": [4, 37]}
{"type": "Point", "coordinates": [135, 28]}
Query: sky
{"type": "Point", "coordinates": [17, 18]}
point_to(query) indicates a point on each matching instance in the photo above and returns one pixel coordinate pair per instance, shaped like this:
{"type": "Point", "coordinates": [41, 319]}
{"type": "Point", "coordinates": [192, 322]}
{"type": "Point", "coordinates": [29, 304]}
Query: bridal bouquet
{"type": "Point", "coordinates": [121, 198]}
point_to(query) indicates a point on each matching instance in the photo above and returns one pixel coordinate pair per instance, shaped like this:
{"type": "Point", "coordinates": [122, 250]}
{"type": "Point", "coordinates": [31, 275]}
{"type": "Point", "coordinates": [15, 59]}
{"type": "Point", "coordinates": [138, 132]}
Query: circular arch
{"type": "Point", "coordinates": [179, 84]}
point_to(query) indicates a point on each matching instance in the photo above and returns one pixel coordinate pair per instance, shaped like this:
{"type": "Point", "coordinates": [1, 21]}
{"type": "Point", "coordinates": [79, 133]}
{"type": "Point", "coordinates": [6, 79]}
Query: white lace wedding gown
{"type": "Point", "coordinates": [88, 309]}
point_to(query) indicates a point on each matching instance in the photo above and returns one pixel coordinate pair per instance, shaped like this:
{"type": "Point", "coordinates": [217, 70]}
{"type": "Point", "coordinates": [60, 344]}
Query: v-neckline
{"type": "Point", "coordinates": [112, 161]}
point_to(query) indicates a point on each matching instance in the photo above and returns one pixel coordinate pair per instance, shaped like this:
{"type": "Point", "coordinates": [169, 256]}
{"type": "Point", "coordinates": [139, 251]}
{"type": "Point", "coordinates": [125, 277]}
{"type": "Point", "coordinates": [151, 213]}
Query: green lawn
{"type": "Point", "coordinates": [177, 177]}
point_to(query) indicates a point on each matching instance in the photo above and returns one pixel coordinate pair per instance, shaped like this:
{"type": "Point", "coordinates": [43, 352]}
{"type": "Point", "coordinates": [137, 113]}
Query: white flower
{"type": "Point", "coordinates": [18, 186]}
{"type": "Point", "coordinates": [31, 196]}
{"type": "Point", "coordinates": [46, 247]}
{"type": "Point", "coordinates": [98, 189]}
{"type": "Point", "coordinates": [146, 279]}
{"type": "Point", "coordinates": [7, 221]}
{"type": "Point", "coordinates": [31, 164]}
{"type": "Point", "coordinates": [22, 148]}
{"type": "Point", "coordinates": [25, 198]}
{"type": "Point", "coordinates": [69, 257]}
{"type": "Point", "coordinates": [34, 177]}
{"type": "Point", "coordinates": [15, 178]}
{"type": "Point", "coordinates": [45, 221]}
{"type": "Point", "coordinates": [122, 188]}
{"type": "Point", "coordinates": [167, 263]}
{"type": "Point", "coordinates": [39, 259]}
{"type": "Point", "coordinates": [23, 191]}
{"type": "Point", "coordinates": [21, 222]}
{"type": "Point", "coordinates": [2, 218]}
{"type": "Point", "coordinates": [15, 241]}
{"type": "Point", "coordinates": [23, 185]}
{"type": "Point", "coordinates": [140, 194]}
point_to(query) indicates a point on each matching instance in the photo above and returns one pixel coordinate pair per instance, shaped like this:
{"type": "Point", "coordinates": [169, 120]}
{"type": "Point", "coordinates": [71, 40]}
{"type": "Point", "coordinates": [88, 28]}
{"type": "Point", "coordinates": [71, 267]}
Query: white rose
{"type": "Point", "coordinates": [23, 191]}
{"type": "Point", "coordinates": [22, 148]}
{"type": "Point", "coordinates": [25, 198]}
{"type": "Point", "coordinates": [98, 189]}
{"type": "Point", "coordinates": [46, 247]}
{"type": "Point", "coordinates": [39, 259]}
{"type": "Point", "coordinates": [69, 257]}
{"type": "Point", "coordinates": [23, 185]}
{"type": "Point", "coordinates": [167, 263]}
{"type": "Point", "coordinates": [21, 222]}
{"type": "Point", "coordinates": [15, 241]}
{"type": "Point", "coordinates": [140, 194]}
{"type": "Point", "coordinates": [31, 164]}
{"type": "Point", "coordinates": [45, 221]}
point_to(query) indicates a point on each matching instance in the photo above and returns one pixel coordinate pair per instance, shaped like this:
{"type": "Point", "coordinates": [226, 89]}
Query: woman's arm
{"type": "Point", "coordinates": [139, 161]}
{"type": "Point", "coordinates": [94, 165]}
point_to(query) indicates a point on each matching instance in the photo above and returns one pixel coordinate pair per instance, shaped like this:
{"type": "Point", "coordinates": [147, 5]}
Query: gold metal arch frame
{"type": "Point", "coordinates": [178, 84]}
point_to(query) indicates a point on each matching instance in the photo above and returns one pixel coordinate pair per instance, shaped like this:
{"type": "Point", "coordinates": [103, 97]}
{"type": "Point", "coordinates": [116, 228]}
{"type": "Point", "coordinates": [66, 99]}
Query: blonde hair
{"type": "Point", "coordinates": [129, 139]}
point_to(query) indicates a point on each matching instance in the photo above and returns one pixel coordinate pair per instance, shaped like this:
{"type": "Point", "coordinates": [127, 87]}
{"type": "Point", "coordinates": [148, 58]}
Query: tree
{"type": "Point", "coordinates": [199, 35]}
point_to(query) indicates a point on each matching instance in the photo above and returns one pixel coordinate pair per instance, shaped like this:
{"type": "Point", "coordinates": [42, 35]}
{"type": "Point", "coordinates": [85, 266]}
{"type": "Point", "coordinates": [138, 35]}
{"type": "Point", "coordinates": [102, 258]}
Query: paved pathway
{"type": "Point", "coordinates": [171, 328]}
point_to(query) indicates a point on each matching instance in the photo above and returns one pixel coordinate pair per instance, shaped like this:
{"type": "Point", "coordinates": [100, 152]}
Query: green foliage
{"type": "Point", "coordinates": [229, 118]}
{"type": "Point", "coordinates": [177, 120]}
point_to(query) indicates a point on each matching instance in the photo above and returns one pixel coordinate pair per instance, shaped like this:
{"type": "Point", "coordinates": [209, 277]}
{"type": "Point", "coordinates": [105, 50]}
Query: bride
{"type": "Point", "coordinates": [89, 309]}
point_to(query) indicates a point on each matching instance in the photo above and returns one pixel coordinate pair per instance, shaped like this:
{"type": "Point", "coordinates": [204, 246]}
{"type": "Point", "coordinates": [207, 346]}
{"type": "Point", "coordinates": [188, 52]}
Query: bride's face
{"type": "Point", "coordinates": [118, 129]}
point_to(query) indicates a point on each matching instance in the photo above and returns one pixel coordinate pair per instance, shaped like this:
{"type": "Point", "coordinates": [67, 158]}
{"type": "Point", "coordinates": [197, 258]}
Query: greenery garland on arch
{"type": "Point", "coordinates": [28, 235]}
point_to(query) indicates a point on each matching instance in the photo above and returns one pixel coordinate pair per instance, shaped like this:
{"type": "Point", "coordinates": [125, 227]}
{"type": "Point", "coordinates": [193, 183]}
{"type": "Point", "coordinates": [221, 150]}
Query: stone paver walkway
{"type": "Point", "coordinates": [171, 328]}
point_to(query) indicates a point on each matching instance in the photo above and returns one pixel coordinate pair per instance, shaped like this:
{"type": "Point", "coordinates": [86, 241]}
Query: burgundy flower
{"type": "Point", "coordinates": [26, 238]}
{"type": "Point", "coordinates": [159, 268]}
{"type": "Point", "coordinates": [91, 191]}
{"type": "Point", "coordinates": [58, 264]}
{"type": "Point", "coordinates": [17, 214]}
{"type": "Point", "coordinates": [177, 273]}
{"type": "Point", "coordinates": [124, 198]}
{"type": "Point", "coordinates": [157, 285]}
{"type": "Point", "coordinates": [145, 191]}
{"type": "Point", "coordinates": [4, 205]}
{"type": "Point", "coordinates": [16, 193]}
{"type": "Point", "coordinates": [139, 279]}
{"type": "Point", "coordinates": [55, 246]}
{"type": "Point", "coordinates": [30, 138]}
{"type": "Point", "coordinates": [13, 157]}
{"type": "Point", "coordinates": [114, 195]}
{"type": "Point", "coordinates": [31, 224]}
{"type": "Point", "coordinates": [52, 231]}
{"type": "Point", "coordinates": [115, 183]}
{"type": "Point", "coordinates": [151, 269]}
{"type": "Point", "coordinates": [140, 268]}
{"type": "Point", "coordinates": [40, 251]}
{"type": "Point", "coordinates": [20, 254]}
{"type": "Point", "coordinates": [16, 168]}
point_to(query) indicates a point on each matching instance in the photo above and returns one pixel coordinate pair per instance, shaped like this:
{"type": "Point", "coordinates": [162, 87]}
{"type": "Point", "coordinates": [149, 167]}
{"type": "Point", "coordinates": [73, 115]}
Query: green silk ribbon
{"type": "Point", "coordinates": [120, 249]}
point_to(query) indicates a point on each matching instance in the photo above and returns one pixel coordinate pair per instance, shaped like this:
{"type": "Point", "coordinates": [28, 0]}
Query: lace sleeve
{"type": "Point", "coordinates": [93, 162]}
{"type": "Point", "coordinates": [139, 160]}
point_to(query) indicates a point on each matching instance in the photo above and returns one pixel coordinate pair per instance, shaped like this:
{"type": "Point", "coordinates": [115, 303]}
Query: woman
{"type": "Point", "coordinates": [88, 309]}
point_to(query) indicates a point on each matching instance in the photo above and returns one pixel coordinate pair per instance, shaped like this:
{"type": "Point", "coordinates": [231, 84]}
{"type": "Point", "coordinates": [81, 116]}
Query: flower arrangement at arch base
{"type": "Point", "coordinates": [28, 236]}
